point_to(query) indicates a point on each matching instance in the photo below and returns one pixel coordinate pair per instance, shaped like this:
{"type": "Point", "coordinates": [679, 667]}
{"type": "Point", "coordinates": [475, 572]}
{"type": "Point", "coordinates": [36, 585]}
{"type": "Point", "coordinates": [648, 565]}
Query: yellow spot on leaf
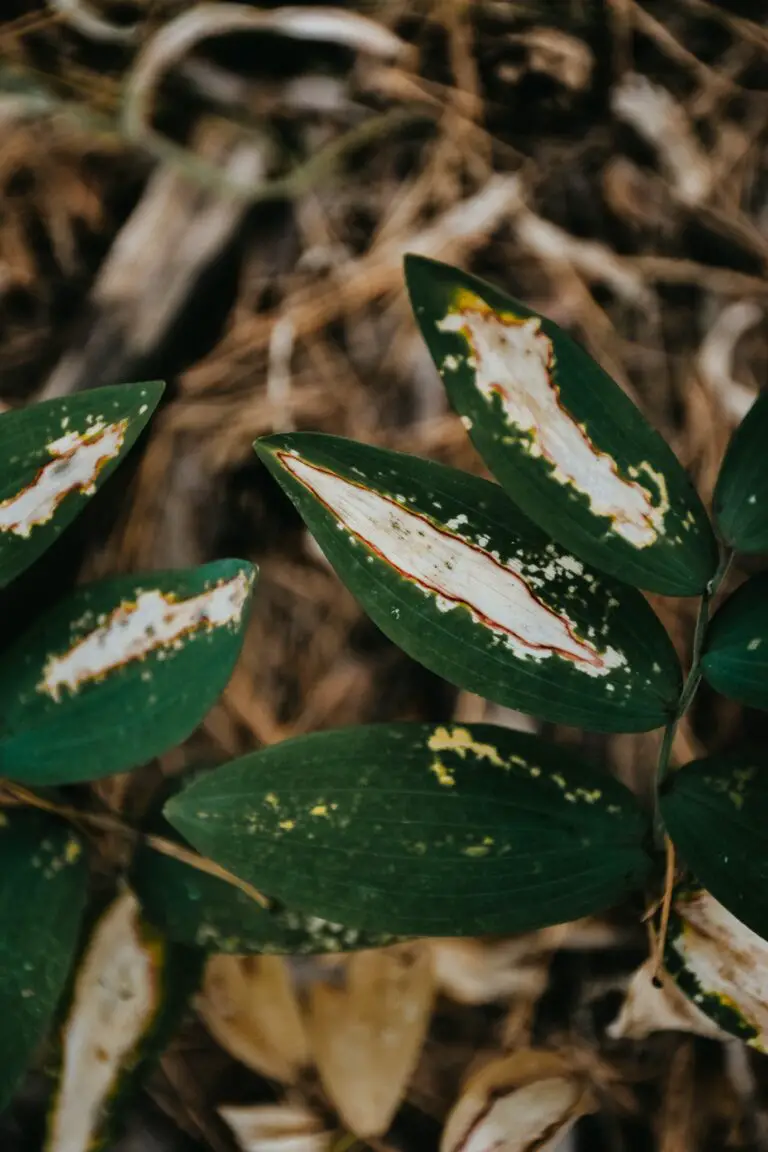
{"type": "Point", "coordinates": [460, 741]}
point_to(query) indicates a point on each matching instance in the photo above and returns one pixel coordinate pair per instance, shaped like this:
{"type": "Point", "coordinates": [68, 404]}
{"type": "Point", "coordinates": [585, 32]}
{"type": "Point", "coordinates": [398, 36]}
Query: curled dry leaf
{"type": "Point", "coordinates": [557, 54]}
{"type": "Point", "coordinates": [277, 1128]}
{"type": "Point", "coordinates": [720, 964]}
{"type": "Point", "coordinates": [249, 1005]}
{"type": "Point", "coordinates": [525, 1102]}
{"type": "Point", "coordinates": [366, 1037]}
{"type": "Point", "coordinates": [648, 1008]}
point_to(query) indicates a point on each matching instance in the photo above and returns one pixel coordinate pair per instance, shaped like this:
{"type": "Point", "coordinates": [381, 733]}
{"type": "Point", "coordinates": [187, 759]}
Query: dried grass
{"type": "Point", "coordinates": [608, 166]}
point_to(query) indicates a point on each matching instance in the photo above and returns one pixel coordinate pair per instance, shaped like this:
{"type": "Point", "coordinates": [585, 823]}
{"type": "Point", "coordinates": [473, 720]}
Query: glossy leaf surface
{"type": "Point", "coordinates": [568, 446]}
{"type": "Point", "coordinates": [720, 964]}
{"type": "Point", "coordinates": [740, 502]}
{"type": "Point", "coordinates": [53, 457]}
{"type": "Point", "coordinates": [459, 579]}
{"type": "Point", "coordinates": [735, 659]}
{"type": "Point", "coordinates": [43, 878]}
{"type": "Point", "coordinates": [119, 672]}
{"type": "Point", "coordinates": [201, 911]}
{"type": "Point", "coordinates": [421, 830]}
{"type": "Point", "coordinates": [716, 812]}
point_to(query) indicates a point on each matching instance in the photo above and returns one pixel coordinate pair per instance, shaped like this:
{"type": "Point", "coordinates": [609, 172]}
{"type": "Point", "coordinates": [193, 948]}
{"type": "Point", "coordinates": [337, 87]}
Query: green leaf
{"type": "Point", "coordinates": [42, 894]}
{"type": "Point", "coordinates": [735, 659]}
{"type": "Point", "coordinates": [720, 964]}
{"type": "Point", "coordinates": [119, 672]}
{"type": "Point", "coordinates": [198, 910]}
{"type": "Point", "coordinates": [740, 503]}
{"type": "Point", "coordinates": [53, 457]}
{"type": "Point", "coordinates": [716, 811]}
{"type": "Point", "coordinates": [456, 576]}
{"type": "Point", "coordinates": [568, 446]}
{"type": "Point", "coordinates": [420, 830]}
{"type": "Point", "coordinates": [129, 992]}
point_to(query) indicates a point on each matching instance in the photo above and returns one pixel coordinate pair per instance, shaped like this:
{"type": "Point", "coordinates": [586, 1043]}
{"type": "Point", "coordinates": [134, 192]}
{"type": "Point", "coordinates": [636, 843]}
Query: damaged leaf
{"type": "Point", "coordinates": [366, 1036]}
{"type": "Point", "coordinates": [465, 584]}
{"type": "Point", "coordinates": [129, 990]}
{"type": "Point", "coordinates": [566, 444]}
{"type": "Point", "coordinates": [720, 964]}
{"type": "Point", "coordinates": [716, 812]}
{"type": "Point", "coordinates": [419, 829]}
{"type": "Point", "coordinates": [119, 672]}
{"type": "Point", "coordinates": [735, 659]}
{"type": "Point", "coordinates": [650, 1008]}
{"type": "Point", "coordinates": [43, 881]}
{"type": "Point", "coordinates": [525, 1102]}
{"type": "Point", "coordinates": [740, 502]}
{"type": "Point", "coordinates": [55, 455]}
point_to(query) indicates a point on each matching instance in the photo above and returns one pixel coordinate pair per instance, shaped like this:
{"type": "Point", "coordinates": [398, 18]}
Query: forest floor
{"type": "Point", "coordinates": [199, 194]}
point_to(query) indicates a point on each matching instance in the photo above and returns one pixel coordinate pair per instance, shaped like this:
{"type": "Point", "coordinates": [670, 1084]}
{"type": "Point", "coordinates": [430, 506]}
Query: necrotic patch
{"type": "Point", "coordinates": [727, 960]}
{"type": "Point", "coordinates": [154, 621]}
{"type": "Point", "coordinates": [513, 361]}
{"type": "Point", "coordinates": [77, 460]}
{"type": "Point", "coordinates": [453, 572]}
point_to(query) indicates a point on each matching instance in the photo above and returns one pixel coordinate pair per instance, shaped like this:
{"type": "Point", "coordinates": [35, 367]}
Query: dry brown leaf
{"type": "Point", "coordinates": [525, 1102]}
{"type": "Point", "coordinates": [557, 54]}
{"type": "Point", "coordinates": [648, 1009]}
{"type": "Point", "coordinates": [475, 972]}
{"type": "Point", "coordinates": [276, 1128]}
{"type": "Point", "coordinates": [366, 1037]}
{"type": "Point", "coordinates": [249, 1005]}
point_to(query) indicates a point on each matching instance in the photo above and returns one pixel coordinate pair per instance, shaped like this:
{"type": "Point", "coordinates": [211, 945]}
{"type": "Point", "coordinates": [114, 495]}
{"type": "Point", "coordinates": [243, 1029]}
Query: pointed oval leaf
{"type": "Point", "coordinates": [735, 659]}
{"type": "Point", "coordinates": [53, 457]}
{"type": "Point", "coordinates": [720, 964]}
{"type": "Point", "coordinates": [129, 992]}
{"type": "Point", "coordinates": [740, 502]}
{"type": "Point", "coordinates": [421, 830]}
{"type": "Point", "coordinates": [119, 672]}
{"type": "Point", "coordinates": [716, 812]}
{"type": "Point", "coordinates": [43, 882]}
{"type": "Point", "coordinates": [457, 577]}
{"type": "Point", "coordinates": [568, 446]}
{"type": "Point", "coordinates": [193, 908]}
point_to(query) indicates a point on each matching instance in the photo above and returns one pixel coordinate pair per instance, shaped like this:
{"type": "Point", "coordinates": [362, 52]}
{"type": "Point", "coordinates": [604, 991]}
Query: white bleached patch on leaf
{"type": "Point", "coordinates": [116, 999]}
{"type": "Point", "coordinates": [77, 460]}
{"type": "Point", "coordinates": [723, 965]}
{"type": "Point", "coordinates": [513, 362]}
{"type": "Point", "coordinates": [452, 571]}
{"type": "Point", "coordinates": [153, 622]}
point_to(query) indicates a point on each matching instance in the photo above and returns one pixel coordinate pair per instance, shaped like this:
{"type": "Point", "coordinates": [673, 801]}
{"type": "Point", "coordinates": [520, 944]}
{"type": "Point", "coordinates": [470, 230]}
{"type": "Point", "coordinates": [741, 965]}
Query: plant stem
{"type": "Point", "coordinates": [693, 678]}
{"type": "Point", "coordinates": [107, 823]}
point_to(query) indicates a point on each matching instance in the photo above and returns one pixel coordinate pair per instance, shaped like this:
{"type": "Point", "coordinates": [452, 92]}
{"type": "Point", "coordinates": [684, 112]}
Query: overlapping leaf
{"type": "Point", "coordinates": [201, 911]}
{"type": "Point", "coordinates": [740, 503]}
{"type": "Point", "coordinates": [455, 575]}
{"type": "Point", "coordinates": [54, 455]}
{"type": "Point", "coordinates": [716, 812]}
{"type": "Point", "coordinates": [565, 442]}
{"type": "Point", "coordinates": [43, 878]}
{"type": "Point", "coordinates": [119, 672]}
{"type": "Point", "coordinates": [735, 659]}
{"type": "Point", "coordinates": [421, 830]}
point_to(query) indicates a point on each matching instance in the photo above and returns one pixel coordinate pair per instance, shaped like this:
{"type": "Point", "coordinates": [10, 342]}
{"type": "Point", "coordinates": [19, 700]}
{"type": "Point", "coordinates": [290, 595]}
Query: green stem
{"type": "Point", "coordinates": [693, 678]}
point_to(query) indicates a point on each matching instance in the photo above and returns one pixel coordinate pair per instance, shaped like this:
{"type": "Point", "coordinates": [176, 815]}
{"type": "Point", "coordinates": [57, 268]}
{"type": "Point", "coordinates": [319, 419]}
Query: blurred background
{"type": "Point", "coordinates": [220, 195]}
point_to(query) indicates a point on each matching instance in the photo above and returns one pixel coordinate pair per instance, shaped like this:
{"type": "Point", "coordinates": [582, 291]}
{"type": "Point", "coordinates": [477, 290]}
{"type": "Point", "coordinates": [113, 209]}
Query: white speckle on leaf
{"type": "Point", "coordinates": [77, 460]}
{"type": "Point", "coordinates": [455, 573]}
{"type": "Point", "coordinates": [754, 644]}
{"type": "Point", "coordinates": [515, 362]}
{"type": "Point", "coordinates": [152, 623]}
